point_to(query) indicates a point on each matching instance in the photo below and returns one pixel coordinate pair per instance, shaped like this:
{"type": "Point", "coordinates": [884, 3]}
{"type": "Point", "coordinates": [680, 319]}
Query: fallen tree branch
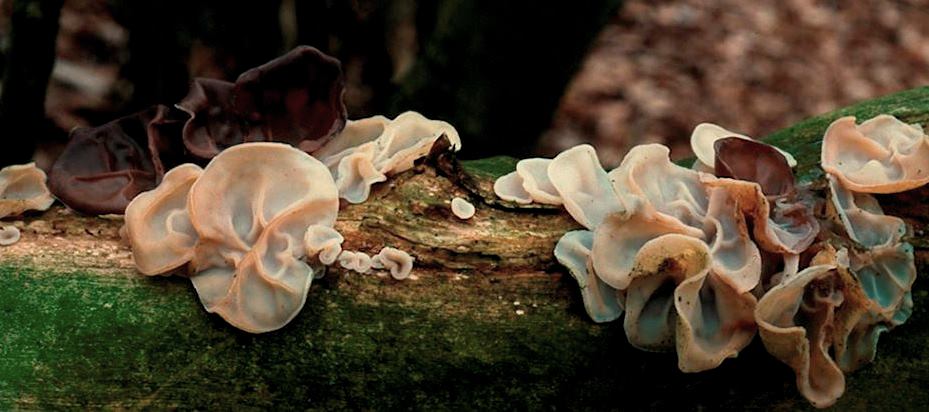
{"type": "Point", "coordinates": [490, 321]}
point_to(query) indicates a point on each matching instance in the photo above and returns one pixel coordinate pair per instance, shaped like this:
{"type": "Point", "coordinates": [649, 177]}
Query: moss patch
{"type": "Point", "coordinates": [77, 339]}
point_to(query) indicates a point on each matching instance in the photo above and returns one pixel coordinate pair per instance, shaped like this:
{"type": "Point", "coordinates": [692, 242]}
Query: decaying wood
{"type": "Point", "coordinates": [488, 321]}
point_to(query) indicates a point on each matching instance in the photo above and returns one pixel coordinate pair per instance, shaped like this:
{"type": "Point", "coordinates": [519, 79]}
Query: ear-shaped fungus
{"type": "Point", "coordinates": [213, 125]}
{"type": "Point", "coordinates": [583, 186]}
{"type": "Point", "coordinates": [882, 155]}
{"type": "Point", "coordinates": [252, 221]}
{"type": "Point", "coordinates": [368, 150]}
{"type": "Point", "coordinates": [462, 209]}
{"type": "Point", "coordinates": [9, 235]}
{"type": "Point", "coordinates": [323, 242]}
{"type": "Point", "coordinates": [398, 262]}
{"type": "Point", "coordinates": [22, 188]}
{"type": "Point", "coordinates": [710, 320]}
{"type": "Point", "coordinates": [295, 98]}
{"type": "Point", "coordinates": [704, 137]}
{"type": "Point", "coordinates": [158, 226]}
{"type": "Point", "coordinates": [601, 301]}
{"type": "Point", "coordinates": [358, 261]}
{"type": "Point", "coordinates": [103, 168]}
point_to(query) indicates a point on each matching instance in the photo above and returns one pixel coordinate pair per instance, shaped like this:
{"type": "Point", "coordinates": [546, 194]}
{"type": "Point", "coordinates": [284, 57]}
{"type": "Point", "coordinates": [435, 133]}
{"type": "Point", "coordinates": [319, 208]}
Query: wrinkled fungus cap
{"type": "Point", "coordinates": [158, 226]}
{"type": "Point", "coordinates": [103, 168]}
{"type": "Point", "coordinates": [295, 98]}
{"type": "Point", "coordinates": [22, 188]}
{"type": "Point", "coordinates": [882, 155]}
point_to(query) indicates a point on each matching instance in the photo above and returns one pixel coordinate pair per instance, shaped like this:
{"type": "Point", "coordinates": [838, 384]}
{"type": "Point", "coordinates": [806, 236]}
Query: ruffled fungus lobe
{"type": "Point", "coordinates": [882, 155]}
{"type": "Point", "coordinates": [9, 235]}
{"type": "Point", "coordinates": [358, 261]}
{"type": "Point", "coordinates": [213, 125]}
{"type": "Point", "coordinates": [369, 150]}
{"type": "Point", "coordinates": [710, 320]}
{"type": "Point", "coordinates": [323, 242]}
{"type": "Point", "coordinates": [398, 262]}
{"type": "Point", "coordinates": [103, 168]}
{"type": "Point", "coordinates": [509, 187]}
{"type": "Point", "coordinates": [252, 220]}
{"type": "Point", "coordinates": [462, 209]}
{"type": "Point", "coordinates": [583, 186]}
{"type": "Point", "coordinates": [863, 218]}
{"type": "Point", "coordinates": [754, 162]}
{"type": "Point", "coordinates": [704, 137]}
{"type": "Point", "coordinates": [601, 301]}
{"type": "Point", "coordinates": [22, 188]}
{"type": "Point", "coordinates": [295, 98]}
{"type": "Point", "coordinates": [158, 226]}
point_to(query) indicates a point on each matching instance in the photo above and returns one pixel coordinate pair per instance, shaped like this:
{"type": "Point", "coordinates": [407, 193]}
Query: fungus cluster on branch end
{"type": "Point", "coordinates": [701, 258]}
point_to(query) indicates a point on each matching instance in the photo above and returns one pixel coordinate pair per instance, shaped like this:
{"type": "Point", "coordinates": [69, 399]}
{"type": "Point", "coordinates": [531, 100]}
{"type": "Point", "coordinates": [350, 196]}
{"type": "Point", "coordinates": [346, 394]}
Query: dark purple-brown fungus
{"type": "Point", "coordinates": [752, 161]}
{"type": "Point", "coordinates": [295, 98]}
{"type": "Point", "coordinates": [213, 125]}
{"type": "Point", "coordinates": [103, 168]}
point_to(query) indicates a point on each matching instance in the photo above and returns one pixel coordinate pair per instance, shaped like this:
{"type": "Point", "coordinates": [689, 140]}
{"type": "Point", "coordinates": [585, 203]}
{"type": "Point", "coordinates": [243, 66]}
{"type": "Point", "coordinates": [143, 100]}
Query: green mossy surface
{"type": "Point", "coordinates": [81, 340]}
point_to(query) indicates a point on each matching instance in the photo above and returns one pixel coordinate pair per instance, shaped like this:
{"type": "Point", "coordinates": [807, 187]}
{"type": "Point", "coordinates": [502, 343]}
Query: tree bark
{"type": "Point", "coordinates": [489, 321]}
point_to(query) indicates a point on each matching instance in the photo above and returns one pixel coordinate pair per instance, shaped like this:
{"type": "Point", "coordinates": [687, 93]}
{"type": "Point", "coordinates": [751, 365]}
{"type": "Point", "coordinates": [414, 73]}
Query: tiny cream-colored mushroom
{"type": "Point", "coordinates": [706, 134]}
{"type": "Point", "coordinates": [323, 242]}
{"type": "Point", "coordinates": [398, 262]}
{"type": "Point", "coordinates": [358, 261]}
{"type": "Point", "coordinates": [22, 188]}
{"type": "Point", "coordinates": [9, 235]}
{"type": "Point", "coordinates": [462, 208]}
{"type": "Point", "coordinates": [158, 226]}
{"type": "Point", "coordinates": [882, 155]}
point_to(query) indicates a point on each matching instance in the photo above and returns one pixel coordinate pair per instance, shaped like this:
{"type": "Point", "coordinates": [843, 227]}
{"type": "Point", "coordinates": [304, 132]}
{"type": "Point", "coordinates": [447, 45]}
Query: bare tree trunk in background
{"type": "Point", "coordinates": [497, 69]}
{"type": "Point", "coordinates": [33, 30]}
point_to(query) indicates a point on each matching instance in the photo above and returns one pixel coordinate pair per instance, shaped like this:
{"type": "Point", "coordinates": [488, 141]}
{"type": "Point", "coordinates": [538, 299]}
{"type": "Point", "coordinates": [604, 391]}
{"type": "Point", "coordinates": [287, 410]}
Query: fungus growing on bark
{"type": "Point", "coordinates": [881, 155]}
{"type": "Point", "coordinates": [9, 235]}
{"type": "Point", "coordinates": [213, 125]}
{"type": "Point", "coordinates": [295, 98]}
{"type": "Point", "coordinates": [323, 242]}
{"type": "Point", "coordinates": [252, 221]}
{"type": "Point", "coordinates": [358, 261]}
{"type": "Point", "coordinates": [103, 168]}
{"type": "Point", "coordinates": [398, 262]}
{"type": "Point", "coordinates": [462, 209]}
{"type": "Point", "coordinates": [509, 187]}
{"type": "Point", "coordinates": [158, 226]}
{"type": "Point", "coordinates": [704, 137]}
{"type": "Point", "coordinates": [369, 150]}
{"type": "Point", "coordinates": [601, 301]}
{"type": "Point", "coordinates": [22, 188]}
{"type": "Point", "coordinates": [583, 186]}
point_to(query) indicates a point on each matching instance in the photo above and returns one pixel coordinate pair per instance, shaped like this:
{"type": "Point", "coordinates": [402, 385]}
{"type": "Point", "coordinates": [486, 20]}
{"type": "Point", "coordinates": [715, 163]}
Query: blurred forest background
{"type": "Point", "coordinates": [515, 77]}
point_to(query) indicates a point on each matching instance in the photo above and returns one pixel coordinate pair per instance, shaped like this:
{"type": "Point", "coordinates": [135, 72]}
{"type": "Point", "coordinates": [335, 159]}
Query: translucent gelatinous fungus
{"type": "Point", "coordinates": [9, 235]}
{"type": "Point", "coordinates": [213, 125]}
{"type": "Point", "coordinates": [323, 242]}
{"type": "Point", "coordinates": [601, 301]}
{"type": "Point", "coordinates": [704, 137]}
{"type": "Point", "coordinates": [252, 220]}
{"type": "Point", "coordinates": [462, 209]}
{"type": "Point", "coordinates": [509, 187]}
{"type": "Point", "coordinates": [398, 262]}
{"type": "Point", "coordinates": [882, 155]}
{"type": "Point", "coordinates": [752, 161]}
{"type": "Point", "coordinates": [103, 168]}
{"type": "Point", "coordinates": [158, 226]}
{"type": "Point", "coordinates": [295, 98]}
{"type": "Point", "coordinates": [358, 261]}
{"type": "Point", "coordinates": [369, 150]}
{"type": "Point", "coordinates": [583, 186]}
{"type": "Point", "coordinates": [22, 188]}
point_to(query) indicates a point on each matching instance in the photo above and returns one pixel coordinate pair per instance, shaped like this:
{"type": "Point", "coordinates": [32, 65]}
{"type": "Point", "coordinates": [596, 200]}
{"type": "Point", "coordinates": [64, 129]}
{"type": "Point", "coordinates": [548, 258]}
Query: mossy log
{"type": "Point", "coordinates": [489, 321]}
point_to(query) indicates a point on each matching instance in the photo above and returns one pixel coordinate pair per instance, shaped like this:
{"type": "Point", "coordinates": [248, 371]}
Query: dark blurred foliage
{"type": "Point", "coordinates": [515, 77]}
{"type": "Point", "coordinates": [494, 69]}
